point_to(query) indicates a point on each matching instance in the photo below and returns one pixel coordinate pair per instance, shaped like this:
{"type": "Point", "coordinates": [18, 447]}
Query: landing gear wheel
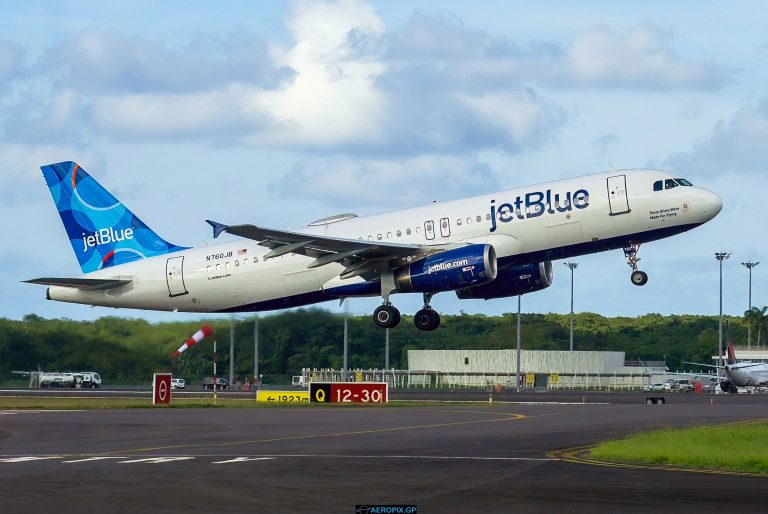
{"type": "Point", "coordinates": [386, 316]}
{"type": "Point", "coordinates": [639, 278]}
{"type": "Point", "coordinates": [426, 319]}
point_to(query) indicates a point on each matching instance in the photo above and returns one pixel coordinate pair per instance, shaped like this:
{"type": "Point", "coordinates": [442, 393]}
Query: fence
{"type": "Point", "coordinates": [404, 379]}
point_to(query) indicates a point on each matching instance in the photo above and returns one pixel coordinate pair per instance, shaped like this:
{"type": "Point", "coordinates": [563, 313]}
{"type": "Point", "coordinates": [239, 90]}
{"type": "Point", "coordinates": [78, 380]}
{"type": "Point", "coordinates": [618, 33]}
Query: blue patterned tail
{"type": "Point", "coordinates": [103, 232]}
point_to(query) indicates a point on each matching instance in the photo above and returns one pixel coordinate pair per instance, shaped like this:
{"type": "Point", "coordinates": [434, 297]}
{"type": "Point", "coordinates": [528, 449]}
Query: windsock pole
{"type": "Point", "coordinates": [214, 372]}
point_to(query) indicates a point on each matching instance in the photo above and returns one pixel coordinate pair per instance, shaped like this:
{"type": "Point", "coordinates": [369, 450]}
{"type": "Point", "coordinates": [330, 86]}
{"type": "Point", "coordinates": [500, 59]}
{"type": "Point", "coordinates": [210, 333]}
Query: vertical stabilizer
{"type": "Point", "coordinates": [103, 232]}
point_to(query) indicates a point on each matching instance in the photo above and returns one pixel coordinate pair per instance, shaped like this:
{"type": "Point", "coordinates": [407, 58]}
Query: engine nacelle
{"type": "Point", "coordinates": [452, 269]}
{"type": "Point", "coordinates": [513, 281]}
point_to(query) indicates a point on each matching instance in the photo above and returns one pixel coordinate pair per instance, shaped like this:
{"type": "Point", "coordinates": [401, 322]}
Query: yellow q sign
{"type": "Point", "coordinates": [320, 395]}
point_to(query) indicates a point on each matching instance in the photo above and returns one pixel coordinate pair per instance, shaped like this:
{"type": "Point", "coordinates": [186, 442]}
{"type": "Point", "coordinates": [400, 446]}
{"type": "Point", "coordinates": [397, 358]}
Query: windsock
{"type": "Point", "coordinates": [196, 338]}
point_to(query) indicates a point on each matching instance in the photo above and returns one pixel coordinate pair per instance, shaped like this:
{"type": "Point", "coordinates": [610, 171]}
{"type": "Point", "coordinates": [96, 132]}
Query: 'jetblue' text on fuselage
{"type": "Point", "coordinates": [537, 203]}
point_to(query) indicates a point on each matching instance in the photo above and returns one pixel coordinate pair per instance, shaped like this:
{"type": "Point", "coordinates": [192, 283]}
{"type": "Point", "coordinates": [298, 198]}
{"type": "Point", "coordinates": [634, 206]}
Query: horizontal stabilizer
{"type": "Point", "coordinates": [88, 284]}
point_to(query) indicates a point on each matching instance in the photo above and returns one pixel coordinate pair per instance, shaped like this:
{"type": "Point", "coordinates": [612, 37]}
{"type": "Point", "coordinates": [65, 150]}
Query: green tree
{"type": "Point", "coordinates": [757, 320]}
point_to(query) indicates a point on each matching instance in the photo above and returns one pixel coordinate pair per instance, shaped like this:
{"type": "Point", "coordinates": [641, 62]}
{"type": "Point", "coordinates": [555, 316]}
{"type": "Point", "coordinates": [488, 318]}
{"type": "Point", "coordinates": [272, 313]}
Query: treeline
{"type": "Point", "coordinates": [130, 350]}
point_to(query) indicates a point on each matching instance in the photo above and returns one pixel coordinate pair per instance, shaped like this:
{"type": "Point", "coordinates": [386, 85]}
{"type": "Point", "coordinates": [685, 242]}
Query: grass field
{"type": "Point", "coordinates": [737, 447]}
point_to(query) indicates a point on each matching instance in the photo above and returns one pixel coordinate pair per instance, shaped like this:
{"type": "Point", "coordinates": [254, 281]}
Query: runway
{"type": "Point", "coordinates": [479, 458]}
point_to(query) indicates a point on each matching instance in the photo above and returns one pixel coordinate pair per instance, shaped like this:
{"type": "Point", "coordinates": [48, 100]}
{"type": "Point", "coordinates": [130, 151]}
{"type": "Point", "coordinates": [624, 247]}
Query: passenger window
{"type": "Point", "coordinates": [418, 230]}
{"type": "Point", "coordinates": [389, 235]}
{"type": "Point", "coordinates": [399, 233]}
{"type": "Point", "coordinates": [218, 267]}
{"type": "Point", "coordinates": [245, 261]}
{"type": "Point", "coordinates": [469, 220]}
{"type": "Point", "coordinates": [208, 269]}
{"type": "Point", "coordinates": [458, 221]}
{"type": "Point", "coordinates": [488, 217]}
{"type": "Point", "coordinates": [370, 238]}
{"type": "Point", "coordinates": [379, 237]}
{"type": "Point", "coordinates": [255, 260]}
{"type": "Point", "coordinates": [237, 264]}
{"type": "Point", "coordinates": [479, 219]}
{"type": "Point", "coordinates": [226, 264]}
{"type": "Point", "coordinates": [669, 184]}
{"type": "Point", "coordinates": [658, 185]}
{"type": "Point", "coordinates": [407, 232]}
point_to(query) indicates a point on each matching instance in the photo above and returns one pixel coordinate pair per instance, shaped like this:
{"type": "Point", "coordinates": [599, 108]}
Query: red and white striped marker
{"type": "Point", "coordinates": [196, 338]}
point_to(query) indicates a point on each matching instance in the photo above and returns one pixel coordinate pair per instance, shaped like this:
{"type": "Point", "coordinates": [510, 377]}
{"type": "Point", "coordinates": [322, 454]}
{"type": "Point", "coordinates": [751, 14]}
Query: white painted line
{"type": "Point", "coordinates": [89, 459]}
{"type": "Point", "coordinates": [242, 459]}
{"type": "Point", "coordinates": [155, 460]}
{"type": "Point", "coordinates": [425, 457]}
{"type": "Point", "coordinates": [28, 459]}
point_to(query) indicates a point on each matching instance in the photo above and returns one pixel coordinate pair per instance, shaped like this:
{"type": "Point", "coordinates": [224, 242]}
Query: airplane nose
{"type": "Point", "coordinates": [712, 204]}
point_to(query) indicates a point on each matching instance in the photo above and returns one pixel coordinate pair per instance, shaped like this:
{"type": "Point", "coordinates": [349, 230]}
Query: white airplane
{"type": "Point", "coordinates": [739, 374]}
{"type": "Point", "coordinates": [490, 246]}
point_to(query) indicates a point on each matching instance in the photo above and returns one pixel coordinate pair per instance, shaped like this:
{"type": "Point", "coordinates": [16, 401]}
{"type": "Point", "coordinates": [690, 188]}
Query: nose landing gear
{"type": "Point", "coordinates": [639, 278]}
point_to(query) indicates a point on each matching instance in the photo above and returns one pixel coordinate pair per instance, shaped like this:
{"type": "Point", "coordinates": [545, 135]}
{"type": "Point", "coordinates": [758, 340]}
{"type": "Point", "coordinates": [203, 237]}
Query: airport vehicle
{"type": "Point", "coordinates": [83, 379]}
{"type": "Point", "coordinates": [656, 388]}
{"type": "Point", "coordinates": [178, 383]}
{"type": "Point", "coordinates": [491, 246]}
{"type": "Point", "coordinates": [221, 383]}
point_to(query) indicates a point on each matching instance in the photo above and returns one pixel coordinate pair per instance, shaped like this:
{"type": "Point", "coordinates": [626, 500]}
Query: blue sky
{"type": "Point", "coordinates": [279, 113]}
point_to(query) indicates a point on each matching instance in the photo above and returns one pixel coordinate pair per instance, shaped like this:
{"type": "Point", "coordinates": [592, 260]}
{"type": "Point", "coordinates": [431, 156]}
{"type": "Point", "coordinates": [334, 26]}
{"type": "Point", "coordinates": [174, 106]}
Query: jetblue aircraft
{"type": "Point", "coordinates": [490, 246]}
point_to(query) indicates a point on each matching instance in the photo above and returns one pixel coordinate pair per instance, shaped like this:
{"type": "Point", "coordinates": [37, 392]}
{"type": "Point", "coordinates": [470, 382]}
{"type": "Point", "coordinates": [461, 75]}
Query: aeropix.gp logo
{"type": "Point", "coordinates": [537, 203]}
{"type": "Point", "coordinates": [105, 236]}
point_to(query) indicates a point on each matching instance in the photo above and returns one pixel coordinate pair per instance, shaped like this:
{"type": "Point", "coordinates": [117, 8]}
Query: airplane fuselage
{"type": "Point", "coordinates": [547, 221]}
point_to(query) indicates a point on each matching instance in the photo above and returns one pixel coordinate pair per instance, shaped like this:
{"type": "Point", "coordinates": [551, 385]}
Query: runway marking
{"type": "Point", "coordinates": [574, 455]}
{"type": "Point", "coordinates": [242, 459]}
{"type": "Point", "coordinates": [89, 459]}
{"type": "Point", "coordinates": [155, 460]}
{"type": "Point", "coordinates": [507, 417]}
{"type": "Point", "coordinates": [28, 459]}
{"type": "Point", "coordinates": [418, 457]}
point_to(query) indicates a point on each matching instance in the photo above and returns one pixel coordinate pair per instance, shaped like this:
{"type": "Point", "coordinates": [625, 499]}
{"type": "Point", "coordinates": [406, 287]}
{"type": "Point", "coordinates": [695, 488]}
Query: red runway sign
{"type": "Point", "coordinates": [161, 389]}
{"type": "Point", "coordinates": [348, 392]}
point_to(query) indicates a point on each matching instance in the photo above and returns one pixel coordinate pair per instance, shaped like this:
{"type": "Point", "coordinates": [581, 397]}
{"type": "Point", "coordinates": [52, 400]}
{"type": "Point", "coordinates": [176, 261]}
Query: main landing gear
{"type": "Point", "coordinates": [639, 278]}
{"type": "Point", "coordinates": [387, 316]}
{"type": "Point", "coordinates": [426, 319]}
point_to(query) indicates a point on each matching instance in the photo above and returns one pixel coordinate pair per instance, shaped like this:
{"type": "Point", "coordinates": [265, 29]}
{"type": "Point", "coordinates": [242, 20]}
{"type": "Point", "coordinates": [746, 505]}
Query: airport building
{"type": "Point", "coordinates": [539, 368]}
{"type": "Point", "coordinates": [754, 354]}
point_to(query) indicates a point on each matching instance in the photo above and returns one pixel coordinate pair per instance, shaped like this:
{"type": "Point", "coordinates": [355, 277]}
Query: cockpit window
{"type": "Point", "coordinates": [658, 185]}
{"type": "Point", "coordinates": [669, 184]}
{"type": "Point", "coordinates": [683, 182]}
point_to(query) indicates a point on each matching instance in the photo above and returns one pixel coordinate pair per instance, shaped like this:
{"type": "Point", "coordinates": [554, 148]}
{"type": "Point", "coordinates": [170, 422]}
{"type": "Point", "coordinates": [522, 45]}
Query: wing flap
{"type": "Point", "coordinates": [87, 284]}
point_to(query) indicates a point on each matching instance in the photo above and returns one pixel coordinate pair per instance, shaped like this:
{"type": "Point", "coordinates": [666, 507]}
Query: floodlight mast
{"type": "Point", "coordinates": [721, 256]}
{"type": "Point", "coordinates": [572, 266]}
{"type": "Point", "coordinates": [749, 265]}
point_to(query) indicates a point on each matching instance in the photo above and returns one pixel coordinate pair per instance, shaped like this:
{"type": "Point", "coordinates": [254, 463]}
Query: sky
{"type": "Point", "coordinates": [280, 113]}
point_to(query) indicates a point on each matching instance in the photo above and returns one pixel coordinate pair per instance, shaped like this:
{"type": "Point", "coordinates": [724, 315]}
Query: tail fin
{"type": "Point", "coordinates": [731, 352]}
{"type": "Point", "coordinates": [103, 232]}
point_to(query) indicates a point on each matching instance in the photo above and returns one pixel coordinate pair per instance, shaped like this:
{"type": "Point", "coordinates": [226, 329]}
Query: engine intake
{"type": "Point", "coordinates": [452, 269]}
{"type": "Point", "coordinates": [512, 281]}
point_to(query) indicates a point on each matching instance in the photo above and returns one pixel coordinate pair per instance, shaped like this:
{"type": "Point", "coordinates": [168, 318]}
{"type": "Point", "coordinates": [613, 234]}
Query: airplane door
{"type": "Point", "coordinates": [617, 195]}
{"type": "Point", "coordinates": [429, 229]}
{"type": "Point", "coordinates": [174, 274]}
{"type": "Point", "coordinates": [445, 227]}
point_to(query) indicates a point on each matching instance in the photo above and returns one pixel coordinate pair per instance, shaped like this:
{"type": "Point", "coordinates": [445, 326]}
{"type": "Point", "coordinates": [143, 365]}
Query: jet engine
{"type": "Point", "coordinates": [452, 269]}
{"type": "Point", "coordinates": [512, 281]}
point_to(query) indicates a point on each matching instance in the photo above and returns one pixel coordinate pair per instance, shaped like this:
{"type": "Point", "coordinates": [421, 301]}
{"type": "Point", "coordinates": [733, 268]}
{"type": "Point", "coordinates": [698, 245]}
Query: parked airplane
{"type": "Point", "coordinates": [490, 246]}
{"type": "Point", "coordinates": [740, 374]}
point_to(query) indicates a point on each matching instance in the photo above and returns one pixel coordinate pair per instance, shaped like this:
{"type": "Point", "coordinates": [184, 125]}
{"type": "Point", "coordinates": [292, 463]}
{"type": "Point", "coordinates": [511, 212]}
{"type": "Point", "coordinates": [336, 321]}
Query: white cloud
{"type": "Point", "coordinates": [642, 58]}
{"type": "Point", "coordinates": [386, 183]}
{"type": "Point", "coordinates": [10, 60]}
{"type": "Point", "coordinates": [100, 61]}
{"type": "Point", "coordinates": [737, 145]}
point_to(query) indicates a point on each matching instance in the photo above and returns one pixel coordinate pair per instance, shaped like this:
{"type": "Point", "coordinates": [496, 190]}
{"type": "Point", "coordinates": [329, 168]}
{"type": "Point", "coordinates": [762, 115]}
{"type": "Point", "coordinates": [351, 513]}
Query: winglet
{"type": "Point", "coordinates": [218, 228]}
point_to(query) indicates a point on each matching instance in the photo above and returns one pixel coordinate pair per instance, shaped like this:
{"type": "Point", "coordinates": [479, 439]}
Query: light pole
{"type": "Point", "coordinates": [749, 265]}
{"type": "Point", "coordinates": [517, 372]}
{"type": "Point", "coordinates": [255, 350]}
{"type": "Point", "coordinates": [721, 256]}
{"type": "Point", "coordinates": [573, 266]}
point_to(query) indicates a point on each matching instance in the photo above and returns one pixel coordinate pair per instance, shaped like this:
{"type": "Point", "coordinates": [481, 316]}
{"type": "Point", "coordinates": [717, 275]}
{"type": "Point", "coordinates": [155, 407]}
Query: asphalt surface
{"type": "Point", "coordinates": [459, 458]}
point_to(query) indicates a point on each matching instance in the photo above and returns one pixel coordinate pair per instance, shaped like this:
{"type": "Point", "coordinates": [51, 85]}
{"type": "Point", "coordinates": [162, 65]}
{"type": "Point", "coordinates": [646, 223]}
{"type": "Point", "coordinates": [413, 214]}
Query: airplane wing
{"type": "Point", "coordinates": [88, 284]}
{"type": "Point", "coordinates": [356, 254]}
